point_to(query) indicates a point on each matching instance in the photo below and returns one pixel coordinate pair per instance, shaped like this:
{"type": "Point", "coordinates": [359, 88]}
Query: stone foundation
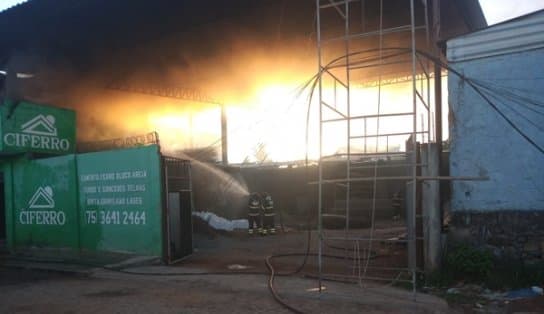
{"type": "Point", "coordinates": [508, 234]}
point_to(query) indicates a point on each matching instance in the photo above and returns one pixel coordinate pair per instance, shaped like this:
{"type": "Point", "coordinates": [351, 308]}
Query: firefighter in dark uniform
{"type": "Point", "coordinates": [268, 214]}
{"type": "Point", "coordinates": [254, 213]}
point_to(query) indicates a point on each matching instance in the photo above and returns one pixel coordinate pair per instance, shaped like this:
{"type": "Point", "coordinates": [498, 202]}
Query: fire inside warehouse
{"type": "Point", "coordinates": [355, 142]}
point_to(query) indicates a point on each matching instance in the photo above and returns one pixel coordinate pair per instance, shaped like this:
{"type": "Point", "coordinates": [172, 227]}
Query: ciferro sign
{"type": "Point", "coordinates": [41, 209]}
{"type": "Point", "coordinates": [37, 128]}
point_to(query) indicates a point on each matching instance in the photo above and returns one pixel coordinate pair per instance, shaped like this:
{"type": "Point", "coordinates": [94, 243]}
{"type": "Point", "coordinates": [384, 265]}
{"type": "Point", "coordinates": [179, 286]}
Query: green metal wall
{"type": "Point", "coordinates": [27, 127]}
{"type": "Point", "coordinates": [104, 201]}
{"type": "Point", "coordinates": [120, 200]}
{"type": "Point", "coordinates": [42, 203]}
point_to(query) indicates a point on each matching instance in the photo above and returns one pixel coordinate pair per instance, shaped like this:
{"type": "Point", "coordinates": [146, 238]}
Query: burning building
{"type": "Point", "coordinates": [186, 68]}
{"type": "Point", "coordinates": [250, 56]}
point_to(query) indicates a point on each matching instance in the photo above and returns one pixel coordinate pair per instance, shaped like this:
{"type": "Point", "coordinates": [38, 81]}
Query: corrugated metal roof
{"type": "Point", "coordinates": [520, 34]}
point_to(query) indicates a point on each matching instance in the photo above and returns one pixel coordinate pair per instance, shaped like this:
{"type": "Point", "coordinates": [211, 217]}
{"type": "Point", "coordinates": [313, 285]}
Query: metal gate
{"type": "Point", "coordinates": [179, 208]}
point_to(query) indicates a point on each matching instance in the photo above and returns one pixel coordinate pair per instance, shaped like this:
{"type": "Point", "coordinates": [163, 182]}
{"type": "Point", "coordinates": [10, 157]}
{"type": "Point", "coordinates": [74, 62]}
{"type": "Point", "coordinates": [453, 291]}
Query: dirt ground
{"type": "Point", "coordinates": [107, 292]}
{"type": "Point", "coordinates": [97, 290]}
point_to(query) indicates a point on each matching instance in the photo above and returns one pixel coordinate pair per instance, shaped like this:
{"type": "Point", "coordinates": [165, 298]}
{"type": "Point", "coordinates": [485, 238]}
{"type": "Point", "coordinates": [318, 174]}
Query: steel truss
{"type": "Point", "coordinates": [347, 50]}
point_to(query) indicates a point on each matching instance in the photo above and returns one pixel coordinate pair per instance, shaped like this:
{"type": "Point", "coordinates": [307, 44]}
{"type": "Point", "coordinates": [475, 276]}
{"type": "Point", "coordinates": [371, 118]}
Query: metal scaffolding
{"type": "Point", "coordinates": [358, 49]}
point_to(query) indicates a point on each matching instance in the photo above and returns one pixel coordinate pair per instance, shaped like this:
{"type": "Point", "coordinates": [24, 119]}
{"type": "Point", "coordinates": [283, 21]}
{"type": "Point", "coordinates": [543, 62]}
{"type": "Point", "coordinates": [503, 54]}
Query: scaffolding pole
{"type": "Point", "coordinates": [343, 77]}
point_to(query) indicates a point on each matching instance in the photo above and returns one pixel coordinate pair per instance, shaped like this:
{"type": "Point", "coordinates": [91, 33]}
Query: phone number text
{"type": "Point", "coordinates": [115, 217]}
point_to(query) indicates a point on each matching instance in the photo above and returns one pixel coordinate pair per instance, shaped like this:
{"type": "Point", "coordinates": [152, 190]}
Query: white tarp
{"type": "Point", "coordinates": [220, 223]}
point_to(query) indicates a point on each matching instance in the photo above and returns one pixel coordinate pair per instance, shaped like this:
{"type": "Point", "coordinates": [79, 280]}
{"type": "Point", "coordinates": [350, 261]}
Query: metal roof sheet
{"type": "Point", "coordinates": [520, 34]}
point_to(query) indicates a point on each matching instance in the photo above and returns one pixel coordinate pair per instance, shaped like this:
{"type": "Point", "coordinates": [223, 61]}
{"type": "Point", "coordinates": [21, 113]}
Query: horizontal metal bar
{"type": "Point", "coordinates": [388, 166]}
{"type": "Point", "coordinates": [400, 178]}
{"type": "Point", "coordinates": [333, 215]}
{"type": "Point", "coordinates": [324, 158]}
{"type": "Point", "coordinates": [365, 239]}
{"type": "Point", "coordinates": [383, 115]}
{"type": "Point", "coordinates": [391, 30]}
{"type": "Point", "coordinates": [358, 67]}
{"type": "Point", "coordinates": [362, 239]}
{"type": "Point", "coordinates": [388, 268]}
{"type": "Point", "coordinates": [392, 178]}
{"type": "Point", "coordinates": [335, 120]}
{"type": "Point", "coordinates": [387, 134]}
{"type": "Point", "coordinates": [452, 178]}
{"type": "Point", "coordinates": [372, 116]}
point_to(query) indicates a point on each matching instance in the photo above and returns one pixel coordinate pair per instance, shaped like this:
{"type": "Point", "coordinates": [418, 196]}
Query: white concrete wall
{"type": "Point", "coordinates": [483, 144]}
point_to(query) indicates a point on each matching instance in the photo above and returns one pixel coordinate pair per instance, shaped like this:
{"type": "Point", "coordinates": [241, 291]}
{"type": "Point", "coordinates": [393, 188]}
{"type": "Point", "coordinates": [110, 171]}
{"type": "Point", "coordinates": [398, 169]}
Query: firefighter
{"type": "Point", "coordinates": [268, 214]}
{"type": "Point", "coordinates": [254, 213]}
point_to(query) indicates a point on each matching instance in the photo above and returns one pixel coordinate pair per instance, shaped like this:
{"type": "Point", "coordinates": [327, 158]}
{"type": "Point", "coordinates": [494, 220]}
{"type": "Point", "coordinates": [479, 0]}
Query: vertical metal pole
{"type": "Point", "coordinates": [429, 109]}
{"type": "Point", "coordinates": [432, 127]}
{"type": "Point", "coordinates": [427, 70]}
{"type": "Point", "coordinates": [364, 122]}
{"type": "Point", "coordinates": [320, 167]}
{"type": "Point", "coordinates": [191, 133]}
{"type": "Point", "coordinates": [411, 233]}
{"type": "Point", "coordinates": [422, 129]}
{"type": "Point", "coordinates": [427, 33]}
{"type": "Point", "coordinates": [438, 105]}
{"type": "Point", "coordinates": [437, 78]}
{"type": "Point", "coordinates": [376, 149]}
{"type": "Point", "coordinates": [335, 96]}
{"type": "Point", "coordinates": [224, 136]}
{"type": "Point", "coordinates": [190, 176]}
{"type": "Point", "coordinates": [348, 159]}
{"type": "Point", "coordinates": [437, 94]}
